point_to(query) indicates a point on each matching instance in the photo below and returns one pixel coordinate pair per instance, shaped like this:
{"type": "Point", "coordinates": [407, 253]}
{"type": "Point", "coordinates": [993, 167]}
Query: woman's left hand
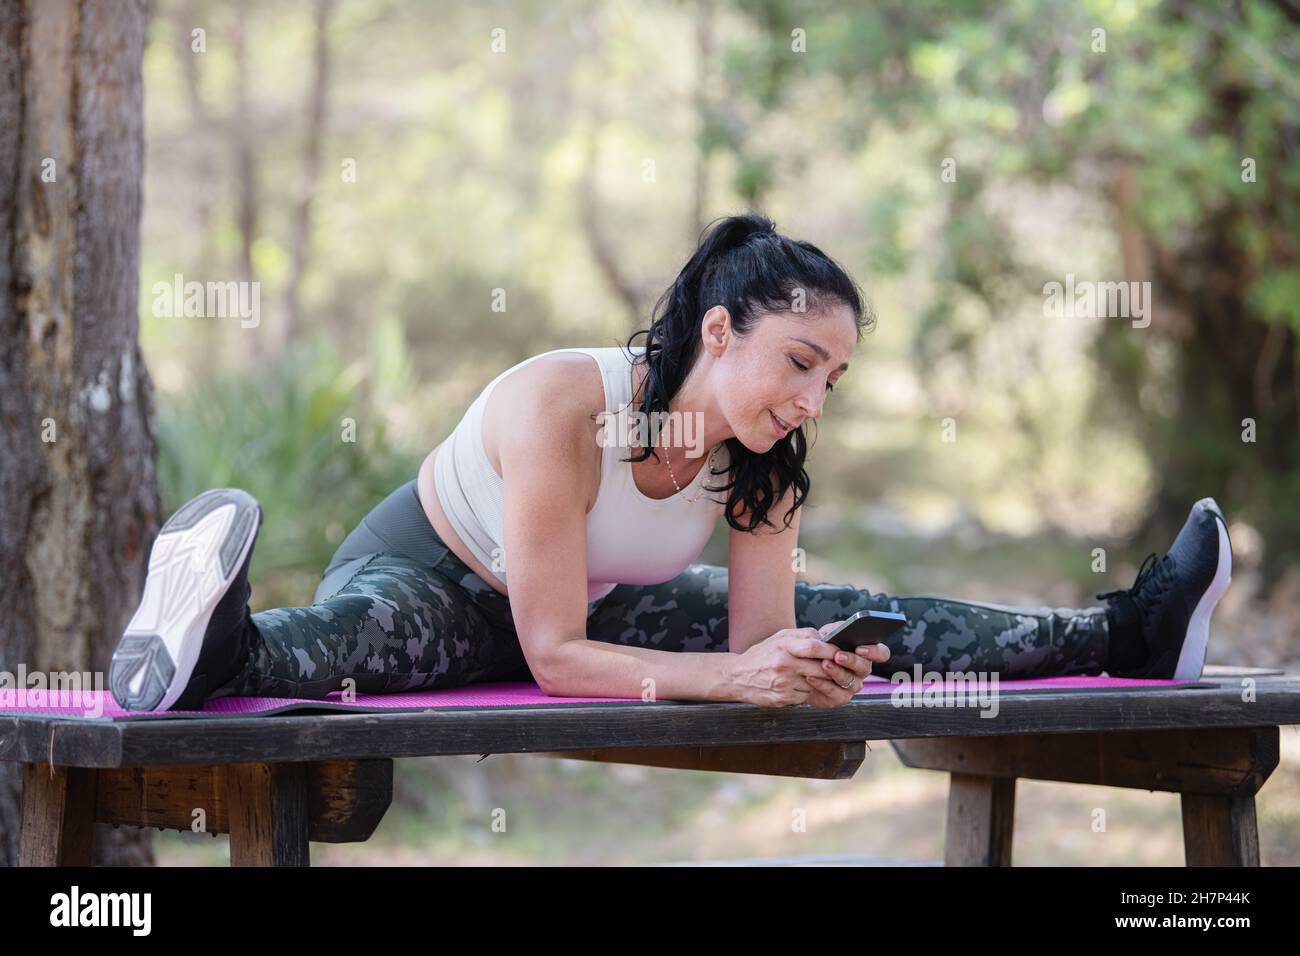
{"type": "Point", "coordinates": [830, 690]}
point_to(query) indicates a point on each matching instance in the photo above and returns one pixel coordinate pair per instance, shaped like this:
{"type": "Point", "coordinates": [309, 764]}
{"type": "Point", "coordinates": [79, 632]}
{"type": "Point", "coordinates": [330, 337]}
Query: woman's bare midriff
{"type": "Point", "coordinates": [428, 491]}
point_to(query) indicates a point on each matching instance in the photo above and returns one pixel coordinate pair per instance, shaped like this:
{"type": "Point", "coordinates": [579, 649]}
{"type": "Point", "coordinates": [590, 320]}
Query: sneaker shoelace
{"type": "Point", "coordinates": [1148, 590]}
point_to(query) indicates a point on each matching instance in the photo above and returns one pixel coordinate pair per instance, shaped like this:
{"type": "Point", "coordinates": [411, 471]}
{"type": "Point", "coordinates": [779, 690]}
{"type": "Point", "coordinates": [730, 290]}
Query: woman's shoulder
{"type": "Point", "coordinates": [557, 378]}
{"type": "Point", "coordinates": [556, 395]}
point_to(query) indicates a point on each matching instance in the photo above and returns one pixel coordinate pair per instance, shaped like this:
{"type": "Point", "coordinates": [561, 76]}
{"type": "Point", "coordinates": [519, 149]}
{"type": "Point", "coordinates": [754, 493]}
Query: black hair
{"type": "Point", "coordinates": [744, 264]}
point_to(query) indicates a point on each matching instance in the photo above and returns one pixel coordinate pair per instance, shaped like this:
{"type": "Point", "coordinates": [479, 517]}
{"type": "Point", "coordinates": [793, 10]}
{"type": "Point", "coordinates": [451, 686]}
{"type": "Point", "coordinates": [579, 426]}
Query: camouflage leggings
{"type": "Point", "coordinates": [398, 611]}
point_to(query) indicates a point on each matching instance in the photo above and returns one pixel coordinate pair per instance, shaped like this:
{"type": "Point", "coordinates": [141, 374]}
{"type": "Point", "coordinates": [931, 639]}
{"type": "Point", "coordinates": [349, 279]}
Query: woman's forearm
{"type": "Point", "coordinates": [586, 668]}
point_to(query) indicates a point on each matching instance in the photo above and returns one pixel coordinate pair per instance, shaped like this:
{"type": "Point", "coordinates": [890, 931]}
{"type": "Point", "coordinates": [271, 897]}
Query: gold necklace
{"type": "Point", "coordinates": [708, 464]}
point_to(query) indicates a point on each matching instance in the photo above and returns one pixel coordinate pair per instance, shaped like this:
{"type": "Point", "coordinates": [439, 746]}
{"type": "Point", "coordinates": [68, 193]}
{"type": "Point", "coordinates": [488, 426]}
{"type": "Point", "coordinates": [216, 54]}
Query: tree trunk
{"type": "Point", "coordinates": [79, 503]}
{"type": "Point", "coordinates": [245, 179]}
{"type": "Point", "coordinates": [308, 179]}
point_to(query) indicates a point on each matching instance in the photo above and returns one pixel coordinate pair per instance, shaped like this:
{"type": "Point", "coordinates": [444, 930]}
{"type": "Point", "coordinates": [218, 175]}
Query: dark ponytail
{"type": "Point", "coordinates": [745, 265]}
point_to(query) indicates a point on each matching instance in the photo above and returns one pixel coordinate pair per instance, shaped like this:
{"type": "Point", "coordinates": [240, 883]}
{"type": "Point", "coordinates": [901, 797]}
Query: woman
{"type": "Point", "coordinates": [552, 537]}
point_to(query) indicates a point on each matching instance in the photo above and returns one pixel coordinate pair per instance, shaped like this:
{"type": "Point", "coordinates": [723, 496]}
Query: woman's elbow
{"type": "Point", "coordinates": [547, 682]}
{"type": "Point", "coordinates": [553, 674]}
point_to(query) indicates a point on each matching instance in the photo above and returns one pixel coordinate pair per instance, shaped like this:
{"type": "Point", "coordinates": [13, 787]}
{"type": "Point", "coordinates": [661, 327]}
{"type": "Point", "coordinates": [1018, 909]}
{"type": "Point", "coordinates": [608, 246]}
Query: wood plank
{"type": "Point", "coordinates": [268, 814]}
{"type": "Point", "coordinates": [581, 727]}
{"type": "Point", "coordinates": [1220, 830]}
{"type": "Point", "coordinates": [981, 814]}
{"type": "Point", "coordinates": [825, 760]}
{"type": "Point", "coordinates": [58, 822]}
{"type": "Point", "coordinates": [1219, 760]}
{"type": "Point", "coordinates": [346, 799]}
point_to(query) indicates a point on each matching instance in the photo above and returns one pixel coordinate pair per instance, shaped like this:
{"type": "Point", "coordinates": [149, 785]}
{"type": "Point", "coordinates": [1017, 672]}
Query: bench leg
{"type": "Point", "coordinates": [58, 825]}
{"type": "Point", "coordinates": [268, 814]}
{"type": "Point", "coordinates": [981, 813]}
{"type": "Point", "coordinates": [1219, 830]}
{"type": "Point", "coordinates": [1216, 771]}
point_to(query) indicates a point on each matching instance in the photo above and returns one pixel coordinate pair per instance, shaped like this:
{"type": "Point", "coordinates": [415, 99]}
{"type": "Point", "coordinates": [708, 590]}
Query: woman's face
{"type": "Point", "coordinates": [772, 379]}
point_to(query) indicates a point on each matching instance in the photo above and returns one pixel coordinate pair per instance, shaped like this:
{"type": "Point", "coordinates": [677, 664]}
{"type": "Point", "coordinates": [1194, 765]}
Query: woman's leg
{"type": "Point", "coordinates": [686, 613]}
{"type": "Point", "coordinates": [947, 635]}
{"type": "Point", "coordinates": [689, 613]}
{"type": "Point", "coordinates": [395, 625]}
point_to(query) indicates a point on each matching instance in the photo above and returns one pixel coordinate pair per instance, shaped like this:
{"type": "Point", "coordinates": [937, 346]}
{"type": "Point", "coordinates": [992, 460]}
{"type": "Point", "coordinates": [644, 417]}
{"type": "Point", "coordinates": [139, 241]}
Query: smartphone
{"type": "Point", "coordinates": [865, 627]}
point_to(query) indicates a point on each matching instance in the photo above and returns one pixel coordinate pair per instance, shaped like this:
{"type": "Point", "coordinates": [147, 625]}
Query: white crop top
{"type": "Point", "coordinates": [631, 538]}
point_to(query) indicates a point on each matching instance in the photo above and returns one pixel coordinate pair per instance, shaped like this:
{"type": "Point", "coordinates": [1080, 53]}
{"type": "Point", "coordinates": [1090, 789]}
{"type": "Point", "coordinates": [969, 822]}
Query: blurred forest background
{"type": "Point", "coordinates": [381, 167]}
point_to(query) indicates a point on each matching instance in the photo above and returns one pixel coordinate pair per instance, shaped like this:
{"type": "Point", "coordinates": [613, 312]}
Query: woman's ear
{"type": "Point", "coordinates": [716, 330]}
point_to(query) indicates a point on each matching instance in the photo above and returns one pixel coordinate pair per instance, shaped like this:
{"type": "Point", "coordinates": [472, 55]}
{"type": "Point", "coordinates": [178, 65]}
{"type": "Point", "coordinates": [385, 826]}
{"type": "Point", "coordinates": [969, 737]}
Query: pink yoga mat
{"type": "Point", "coordinates": [94, 704]}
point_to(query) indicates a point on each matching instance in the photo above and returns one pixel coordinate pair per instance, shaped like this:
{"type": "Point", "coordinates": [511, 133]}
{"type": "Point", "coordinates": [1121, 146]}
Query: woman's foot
{"type": "Point", "coordinates": [1159, 628]}
{"type": "Point", "coordinates": [190, 635]}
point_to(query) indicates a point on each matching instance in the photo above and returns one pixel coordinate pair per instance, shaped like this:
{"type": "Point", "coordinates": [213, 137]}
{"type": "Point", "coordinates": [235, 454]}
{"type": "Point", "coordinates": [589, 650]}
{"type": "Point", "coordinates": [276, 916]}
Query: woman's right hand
{"type": "Point", "coordinates": [775, 671]}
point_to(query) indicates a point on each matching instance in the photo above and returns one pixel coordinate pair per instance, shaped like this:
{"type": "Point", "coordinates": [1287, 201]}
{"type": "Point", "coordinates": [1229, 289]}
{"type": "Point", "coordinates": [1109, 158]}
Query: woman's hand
{"type": "Point", "coordinates": [795, 666]}
{"type": "Point", "coordinates": [778, 671]}
{"type": "Point", "coordinates": [829, 690]}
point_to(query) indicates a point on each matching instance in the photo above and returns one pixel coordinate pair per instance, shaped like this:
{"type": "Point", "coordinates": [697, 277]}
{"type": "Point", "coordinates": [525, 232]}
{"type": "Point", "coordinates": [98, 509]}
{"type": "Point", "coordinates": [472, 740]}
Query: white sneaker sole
{"type": "Point", "coordinates": [1191, 659]}
{"type": "Point", "coordinates": [197, 555]}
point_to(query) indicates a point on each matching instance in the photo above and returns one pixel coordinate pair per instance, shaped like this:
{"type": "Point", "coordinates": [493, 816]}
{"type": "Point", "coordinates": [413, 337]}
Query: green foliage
{"type": "Point", "coordinates": [1174, 121]}
{"type": "Point", "coordinates": [522, 175]}
{"type": "Point", "coordinates": [282, 434]}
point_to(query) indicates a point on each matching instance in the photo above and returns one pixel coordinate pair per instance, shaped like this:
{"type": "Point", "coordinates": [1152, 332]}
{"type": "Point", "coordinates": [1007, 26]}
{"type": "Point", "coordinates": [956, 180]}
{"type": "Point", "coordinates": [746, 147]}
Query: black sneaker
{"type": "Point", "coordinates": [191, 633]}
{"type": "Point", "coordinates": [1159, 628]}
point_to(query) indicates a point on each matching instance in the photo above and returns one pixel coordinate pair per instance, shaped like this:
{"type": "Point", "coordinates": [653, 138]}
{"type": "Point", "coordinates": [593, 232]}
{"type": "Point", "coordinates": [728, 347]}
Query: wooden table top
{"type": "Point", "coordinates": [103, 742]}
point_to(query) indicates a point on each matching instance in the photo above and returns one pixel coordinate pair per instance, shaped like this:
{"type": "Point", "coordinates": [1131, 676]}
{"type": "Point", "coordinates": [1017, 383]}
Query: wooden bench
{"type": "Point", "coordinates": [276, 783]}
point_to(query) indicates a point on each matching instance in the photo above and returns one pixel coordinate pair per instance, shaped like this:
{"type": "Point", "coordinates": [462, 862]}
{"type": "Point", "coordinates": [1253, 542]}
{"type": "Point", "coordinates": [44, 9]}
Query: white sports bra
{"type": "Point", "coordinates": [631, 538]}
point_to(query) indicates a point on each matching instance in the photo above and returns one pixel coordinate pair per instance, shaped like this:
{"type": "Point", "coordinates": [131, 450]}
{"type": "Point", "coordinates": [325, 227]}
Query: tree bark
{"type": "Point", "coordinates": [245, 177]}
{"type": "Point", "coordinates": [300, 241]}
{"type": "Point", "coordinates": [78, 486]}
